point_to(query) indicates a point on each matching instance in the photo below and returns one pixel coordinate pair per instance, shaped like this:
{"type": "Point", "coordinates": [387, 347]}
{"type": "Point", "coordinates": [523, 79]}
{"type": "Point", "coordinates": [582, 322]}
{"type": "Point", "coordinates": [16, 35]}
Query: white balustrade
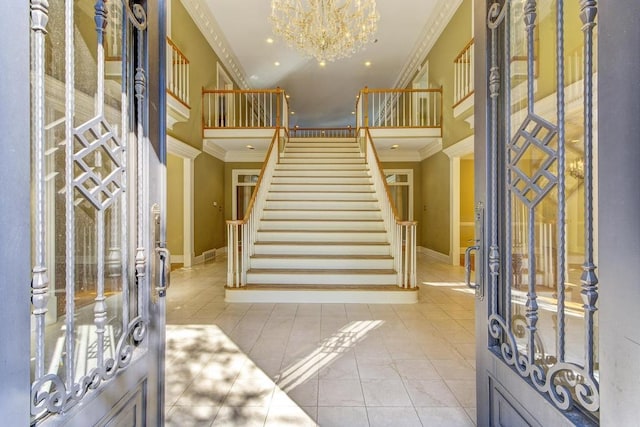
{"type": "Point", "coordinates": [242, 233]}
{"type": "Point", "coordinates": [463, 84]}
{"type": "Point", "coordinates": [402, 234]}
{"type": "Point", "coordinates": [267, 108]}
{"type": "Point", "coordinates": [400, 108]}
{"type": "Point", "coordinates": [177, 70]}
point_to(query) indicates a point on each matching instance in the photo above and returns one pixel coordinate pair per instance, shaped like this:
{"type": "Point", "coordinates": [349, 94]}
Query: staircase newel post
{"type": "Point", "coordinates": [366, 106]}
{"type": "Point", "coordinates": [278, 112]}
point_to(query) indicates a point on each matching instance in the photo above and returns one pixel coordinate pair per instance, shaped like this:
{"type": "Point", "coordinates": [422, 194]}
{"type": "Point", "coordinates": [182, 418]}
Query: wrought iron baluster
{"type": "Point", "coordinates": [561, 273]}
{"type": "Point", "coordinates": [70, 276]}
{"type": "Point", "coordinates": [40, 279]}
{"type": "Point", "coordinates": [140, 85]}
{"type": "Point", "coordinates": [100, 308]}
{"type": "Point", "coordinates": [589, 279]}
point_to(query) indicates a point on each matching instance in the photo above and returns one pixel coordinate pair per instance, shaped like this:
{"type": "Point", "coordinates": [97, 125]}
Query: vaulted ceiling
{"type": "Point", "coordinates": [320, 96]}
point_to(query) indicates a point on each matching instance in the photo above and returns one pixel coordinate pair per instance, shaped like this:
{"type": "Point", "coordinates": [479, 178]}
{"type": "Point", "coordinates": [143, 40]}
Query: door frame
{"type": "Point", "coordinates": [15, 186]}
{"type": "Point", "coordinates": [235, 184]}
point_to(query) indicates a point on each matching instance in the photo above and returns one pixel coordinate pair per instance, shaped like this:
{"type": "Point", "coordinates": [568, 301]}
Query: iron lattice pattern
{"type": "Point", "coordinates": [533, 160]}
{"type": "Point", "coordinates": [98, 162]}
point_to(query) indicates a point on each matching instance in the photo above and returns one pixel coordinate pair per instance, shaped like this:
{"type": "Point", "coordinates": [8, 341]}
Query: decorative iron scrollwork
{"type": "Point", "coordinates": [49, 394]}
{"type": "Point", "coordinates": [562, 382]}
{"type": "Point", "coordinates": [136, 13]}
{"type": "Point", "coordinates": [496, 14]}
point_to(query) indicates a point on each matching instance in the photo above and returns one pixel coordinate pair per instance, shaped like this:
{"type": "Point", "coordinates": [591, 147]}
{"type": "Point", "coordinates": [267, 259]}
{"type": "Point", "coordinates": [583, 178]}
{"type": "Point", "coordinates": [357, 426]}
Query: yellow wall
{"type": "Point", "coordinates": [209, 220]}
{"type": "Point", "coordinates": [436, 190]}
{"type": "Point", "coordinates": [467, 202]}
{"type": "Point", "coordinates": [175, 206]}
{"type": "Point", "coordinates": [209, 225]}
{"type": "Point", "coordinates": [434, 185]}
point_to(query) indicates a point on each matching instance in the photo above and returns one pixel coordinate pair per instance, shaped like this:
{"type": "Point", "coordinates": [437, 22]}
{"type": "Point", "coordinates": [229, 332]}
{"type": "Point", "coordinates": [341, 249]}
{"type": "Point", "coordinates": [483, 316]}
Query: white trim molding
{"type": "Point", "coordinates": [179, 148]}
{"type": "Point", "coordinates": [208, 26]}
{"type": "Point", "coordinates": [188, 155]}
{"type": "Point", "coordinates": [210, 147]}
{"type": "Point", "coordinates": [438, 21]}
{"type": "Point", "coordinates": [431, 149]}
{"type": "Point", "coordinates": [460, 149]}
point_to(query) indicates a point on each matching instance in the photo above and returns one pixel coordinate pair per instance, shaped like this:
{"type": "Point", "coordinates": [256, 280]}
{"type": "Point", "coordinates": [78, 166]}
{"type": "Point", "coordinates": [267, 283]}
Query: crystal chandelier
{"type": "Point", "coordinates": [325, 29]}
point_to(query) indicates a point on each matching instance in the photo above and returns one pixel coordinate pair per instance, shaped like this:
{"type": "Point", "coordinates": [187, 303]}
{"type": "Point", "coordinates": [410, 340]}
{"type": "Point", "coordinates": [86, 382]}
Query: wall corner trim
{"type": "Point", "coordinates": [460, 148]}
{"type": "Point", "coordinates": [431, 149]}
{"type": "Point", "coordinates": [182, 149]}
{"type": "Point", "coordinates": [443, 11]}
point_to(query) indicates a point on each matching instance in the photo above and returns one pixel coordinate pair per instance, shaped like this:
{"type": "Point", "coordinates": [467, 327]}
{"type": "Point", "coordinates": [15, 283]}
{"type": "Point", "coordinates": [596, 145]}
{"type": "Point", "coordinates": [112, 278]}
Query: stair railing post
{"type": "Point", "coordinates": [365, 91]}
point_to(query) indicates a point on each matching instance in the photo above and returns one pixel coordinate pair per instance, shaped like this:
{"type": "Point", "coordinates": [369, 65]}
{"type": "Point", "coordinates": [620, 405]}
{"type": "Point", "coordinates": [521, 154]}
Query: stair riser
{"type": "Point", "coordinates": [321, 141]}
{"type": "Point", "coordinates": [307, 188]}
{"type": "Point", "coordinates": [328, 145]}
{"type": "Point", "coordinates": [317, 159]}
{"type": "Point", "coordinates": [323, 224]}
{"type": "Point", "coordinates": [302, 174]}
{"type": "Point", "coordinates": [320, 195]}
{"type": "Point", "coordinates": [320, 216]}
{"type": "Point", "coordinates": [308, 154]}
{"type": "Point", "coordinates": [331, 166]}
{"type": "Point", "coordinates": [302, 149]}
{"type": "Point", "coordinates": [321, 180]}
{"type": "Point", "coordinates": [320, 205]}
{"type": "Point", "coordinates": [321, 279]}
{"type": "Point", "coordinates": [320, 236]}
{"type": "Point", "coordinates": [313, 264]}
{"type": "Point", "coordinates": [336, 249]}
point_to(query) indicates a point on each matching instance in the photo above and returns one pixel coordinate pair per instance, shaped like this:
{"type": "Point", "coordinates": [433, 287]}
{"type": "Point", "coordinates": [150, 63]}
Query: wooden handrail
{"type": "Point", "coordinates": [386, 186]}
{"type": "Point", "coordinates": [258, 183]}
{"type": "Point", "coordinates": [347, 132]}
{"type": "Point", "coordinates": [177, 49]}
{"type": "Point", "coordinates": [432, 89]}
{"type": "Point", "coordinates": [464, 50]}
{"type": "Point", "coordinates": [278, 90]}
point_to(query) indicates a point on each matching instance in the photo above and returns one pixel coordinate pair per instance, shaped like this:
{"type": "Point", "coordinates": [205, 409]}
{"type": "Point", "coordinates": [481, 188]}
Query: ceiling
{"type": "Point", "coordinates": [320, 96]}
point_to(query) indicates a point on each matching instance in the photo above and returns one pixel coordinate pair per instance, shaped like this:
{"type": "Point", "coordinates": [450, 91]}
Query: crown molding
{"type": "Point", "coordinates": [212, 149]}
{"type": "Point", "coordinates": [431, 149]}
{"type": "Point", "coordinates": [439, 19]}
{"type": "Point", "coordinates": [179, 148]}
{"type": "Point", "coordinates": [208, 26]}
{"type": "Point", "coordinates": [460, 148]}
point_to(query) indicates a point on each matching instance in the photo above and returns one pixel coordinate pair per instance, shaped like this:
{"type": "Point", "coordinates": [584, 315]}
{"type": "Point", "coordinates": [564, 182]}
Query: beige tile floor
{"type": "Point", "coordinates": [320, 364]}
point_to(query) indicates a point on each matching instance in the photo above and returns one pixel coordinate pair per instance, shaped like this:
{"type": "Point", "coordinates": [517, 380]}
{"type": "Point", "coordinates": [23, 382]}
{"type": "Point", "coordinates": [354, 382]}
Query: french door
{"type": "Point", "coordinates": [100, 266]}
{"type": "Point", "coordinates": [536, 174]}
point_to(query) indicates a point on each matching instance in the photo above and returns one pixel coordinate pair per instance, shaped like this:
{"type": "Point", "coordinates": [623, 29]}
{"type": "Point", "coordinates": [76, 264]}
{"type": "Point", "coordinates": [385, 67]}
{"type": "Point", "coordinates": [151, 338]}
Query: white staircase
{"type": "Point", "coordinates": [321, 236]}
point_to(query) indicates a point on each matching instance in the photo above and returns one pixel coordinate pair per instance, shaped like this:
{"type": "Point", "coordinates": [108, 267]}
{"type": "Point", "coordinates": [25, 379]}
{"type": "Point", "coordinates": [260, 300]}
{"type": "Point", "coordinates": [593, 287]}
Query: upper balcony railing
{"type": "Point", "coordinates": [244, 109]}
{"type": "Point", "coordinates": [299, 132]}
{"type": "Point", "coordinates": [177, 73]}
{"type": "Point", "coordinates": [463, 85]}
{"type": "Point", "coordinates": [399, 108]}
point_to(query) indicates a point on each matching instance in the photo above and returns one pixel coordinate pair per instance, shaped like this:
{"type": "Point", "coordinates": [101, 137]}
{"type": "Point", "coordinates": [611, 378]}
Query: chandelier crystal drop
{"type": "Point", "coordinates": [325, 29]}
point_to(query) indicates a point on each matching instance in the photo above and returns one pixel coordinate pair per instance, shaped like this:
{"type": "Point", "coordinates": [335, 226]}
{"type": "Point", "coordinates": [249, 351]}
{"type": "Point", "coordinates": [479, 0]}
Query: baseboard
{"type": "Point", "coordinates": [326, 295]}
{"type": "Point", "coordinates": [209, 255]}
{"type": "Point", "coordinates": [438, 256]}
{"type": "Point", "coordinates": [177, 259]}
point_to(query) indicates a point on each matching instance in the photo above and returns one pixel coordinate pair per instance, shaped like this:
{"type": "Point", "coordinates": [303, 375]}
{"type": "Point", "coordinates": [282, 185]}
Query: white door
{"type": "Point", "coordinates": [536, 166]}
{"type": "Point", "coordinates": [100, 268]}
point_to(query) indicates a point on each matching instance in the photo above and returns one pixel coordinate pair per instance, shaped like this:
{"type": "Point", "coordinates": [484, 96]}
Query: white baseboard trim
{"type": "Point", "coordinates": [438, 256]}
{"type": "Point", "coordinates": [325, 296]}
{"type": "Point", "coordinates": [209, 255]}
{"type": "Point", "coordinates": [177, 259]}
